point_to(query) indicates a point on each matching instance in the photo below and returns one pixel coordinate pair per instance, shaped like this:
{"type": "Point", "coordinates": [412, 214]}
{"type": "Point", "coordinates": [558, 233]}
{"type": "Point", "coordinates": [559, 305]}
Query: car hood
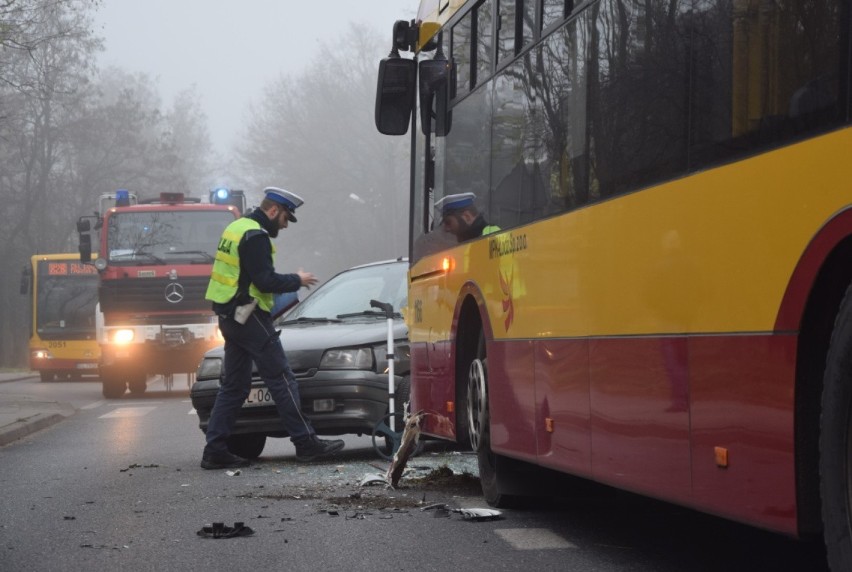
{"type": "Point", "coordinates": [350, 332]}
{"type": "Point", "coordinates": [305, 343]}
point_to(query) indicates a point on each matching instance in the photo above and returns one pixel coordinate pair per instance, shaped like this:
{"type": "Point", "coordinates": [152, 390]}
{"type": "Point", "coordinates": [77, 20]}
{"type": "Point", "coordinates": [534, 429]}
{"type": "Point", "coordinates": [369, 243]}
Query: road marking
{"type": "Point", "coordinates": [134, 403]}
{"type": "Point", "coordinates": [93, 404]}
{"type": "Point", "coordinates": [191, 411]}
{"type": "Point", "coordinates": [128, 412]}
{"type": "Point", "coordinates": [533, 538]}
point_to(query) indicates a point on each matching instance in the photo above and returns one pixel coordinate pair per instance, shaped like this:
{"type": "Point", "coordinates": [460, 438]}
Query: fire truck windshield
{"type": "Point", "coordinates": [165, 237]}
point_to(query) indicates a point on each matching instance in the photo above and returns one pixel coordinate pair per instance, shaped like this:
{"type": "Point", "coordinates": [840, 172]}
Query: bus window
{"type": "Point", "coordinates": [461, 57]}
{"type": "Point", "coordinates": [527, 13]}
{"type": "Point", "coordinates": [517, 187]}
{"type": "Point", "coordinates": [638, 95]}
{"type": "Point", "coordinates": [506, 31]}
{"type": "Point", "coordinates": [564, 139]}
{"type": "Point", "coordinates": [553, 12]}
{"type": "Point", "coordinates": [763, 76]}
{"type": "Point", "coordinates": [484, 41]}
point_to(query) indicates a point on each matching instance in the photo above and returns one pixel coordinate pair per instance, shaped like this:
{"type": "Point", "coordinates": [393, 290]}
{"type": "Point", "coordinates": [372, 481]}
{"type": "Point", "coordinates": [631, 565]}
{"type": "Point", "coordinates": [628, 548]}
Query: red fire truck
{"type": "Point", "coordinates": [154, 264]}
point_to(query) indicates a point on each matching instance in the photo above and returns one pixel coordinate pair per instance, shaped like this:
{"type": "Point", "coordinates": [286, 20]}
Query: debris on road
{"type": "Point", "coordinates": [373, 479]}
{"type": "Point", "coordinates": [441, 509]}
{"type": "Point", "coordinates": [219, 530]}
{"type": "Point", "coordinates": [407, 446]}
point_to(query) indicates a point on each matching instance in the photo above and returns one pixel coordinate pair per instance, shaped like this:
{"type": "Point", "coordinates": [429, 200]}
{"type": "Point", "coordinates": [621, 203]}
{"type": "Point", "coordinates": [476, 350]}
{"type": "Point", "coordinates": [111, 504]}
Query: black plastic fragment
{"type": "Point", "coordinates": [219, 530]}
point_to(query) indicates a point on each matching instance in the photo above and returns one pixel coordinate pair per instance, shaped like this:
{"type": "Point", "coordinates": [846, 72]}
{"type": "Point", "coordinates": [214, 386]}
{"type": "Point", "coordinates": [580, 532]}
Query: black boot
{"type": "Point", "coordinates": [219, 460]}
{"type": "Point", "coordinates": [312, 447]}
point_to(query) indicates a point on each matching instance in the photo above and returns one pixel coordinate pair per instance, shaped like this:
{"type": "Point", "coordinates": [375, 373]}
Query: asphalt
{"type": "Point", "coordinates": [22, 415]}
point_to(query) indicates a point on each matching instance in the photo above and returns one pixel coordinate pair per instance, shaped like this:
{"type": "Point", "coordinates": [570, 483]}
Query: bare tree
{"type": "Point", "coordinates": [69, 134]}
{"type": "Point", "coordinates": [315, 134]}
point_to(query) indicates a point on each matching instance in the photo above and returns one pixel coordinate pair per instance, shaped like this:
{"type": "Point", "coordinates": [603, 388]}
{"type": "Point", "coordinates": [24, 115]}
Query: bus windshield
{"type": "Point", "coordinates": [159, 237]}
{"type": "Point", "coordinates": [65, 300]}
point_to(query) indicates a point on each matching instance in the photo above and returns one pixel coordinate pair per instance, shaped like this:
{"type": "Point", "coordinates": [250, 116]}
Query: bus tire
{"type": "Point", "coordinates": [46, 375]}
{"type": "Point", "coordinates": [247, 445]}
{"type": "Point", "coordinates": [496, 472]}
{"type": "Point", "coordinates": [835, 440]}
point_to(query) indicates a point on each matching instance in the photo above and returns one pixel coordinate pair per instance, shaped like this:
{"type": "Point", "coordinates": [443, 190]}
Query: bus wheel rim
{"type": "Point", "coordinates": [476, 403]}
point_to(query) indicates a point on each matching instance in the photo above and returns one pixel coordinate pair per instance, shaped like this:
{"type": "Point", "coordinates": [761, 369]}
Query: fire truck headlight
{"type": "Point", "coordinates": [41, 354]}
{"type": "Point", "coordinates": [100, 263]}
{"type": "Point", "coordinates": [122, 336]}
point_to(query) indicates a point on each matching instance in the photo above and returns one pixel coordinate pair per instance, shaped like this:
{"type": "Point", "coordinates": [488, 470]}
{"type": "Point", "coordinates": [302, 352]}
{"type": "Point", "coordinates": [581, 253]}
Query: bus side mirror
{"type": "Point", "coordinates": [84, 228]}
{"type": "Point", "coordinates": [435, 115]}
{"type": "Point", "coordinates": [25, 280]}
{"type": "Point", "coordinates": [395, 95]}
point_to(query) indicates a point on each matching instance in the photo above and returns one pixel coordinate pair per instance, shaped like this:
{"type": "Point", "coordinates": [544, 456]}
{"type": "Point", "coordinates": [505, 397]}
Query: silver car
{"type": "Point", "coordinates": [336, 344]}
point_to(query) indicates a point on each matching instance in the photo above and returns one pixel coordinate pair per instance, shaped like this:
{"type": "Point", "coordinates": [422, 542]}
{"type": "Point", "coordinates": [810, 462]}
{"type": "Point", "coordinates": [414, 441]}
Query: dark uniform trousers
{"type": "Point", "coordinates": [255, 340]}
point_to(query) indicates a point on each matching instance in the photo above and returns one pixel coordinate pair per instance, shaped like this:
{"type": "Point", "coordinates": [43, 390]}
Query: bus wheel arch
{"type": "Point", "coordinates": [470, 325]}
{"type": "Point", "coordinates": [826, 286]}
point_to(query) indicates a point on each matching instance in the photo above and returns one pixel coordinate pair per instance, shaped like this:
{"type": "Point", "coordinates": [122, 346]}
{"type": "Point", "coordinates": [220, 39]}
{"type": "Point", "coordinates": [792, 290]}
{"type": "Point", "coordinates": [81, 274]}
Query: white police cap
{"type": "Point", "coordinates": [290, 200]}
{"type": "Point", "coordinates": [455, 202]}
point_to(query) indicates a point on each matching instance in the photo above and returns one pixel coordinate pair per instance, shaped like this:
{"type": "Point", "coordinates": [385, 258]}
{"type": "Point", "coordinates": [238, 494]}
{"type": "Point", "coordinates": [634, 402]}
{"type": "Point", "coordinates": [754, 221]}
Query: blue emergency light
{"type": "Point", "coordinates": [229, 197]}
{"type": "Point", "coordinates": [122, 198]}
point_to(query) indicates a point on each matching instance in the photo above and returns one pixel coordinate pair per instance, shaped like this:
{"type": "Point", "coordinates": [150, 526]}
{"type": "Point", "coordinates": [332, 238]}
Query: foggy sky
{"type": "Point", "coordinates": [230, 49]}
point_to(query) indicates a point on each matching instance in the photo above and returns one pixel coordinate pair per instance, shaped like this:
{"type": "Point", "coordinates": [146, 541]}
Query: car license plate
{"type": "Point", "coordinates": [258, 396]}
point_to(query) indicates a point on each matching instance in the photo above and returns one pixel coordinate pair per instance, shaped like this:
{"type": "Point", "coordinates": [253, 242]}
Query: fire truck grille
{"type": "Point", "coordinates": [155, 295]}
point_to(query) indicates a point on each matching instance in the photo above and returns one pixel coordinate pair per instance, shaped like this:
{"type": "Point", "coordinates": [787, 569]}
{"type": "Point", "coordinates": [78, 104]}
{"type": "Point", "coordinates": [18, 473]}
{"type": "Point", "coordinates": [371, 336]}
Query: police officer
{"type": "Point", "coordinates": [460, 217]}
{"type": "Point", "coordinates": [242, 287]}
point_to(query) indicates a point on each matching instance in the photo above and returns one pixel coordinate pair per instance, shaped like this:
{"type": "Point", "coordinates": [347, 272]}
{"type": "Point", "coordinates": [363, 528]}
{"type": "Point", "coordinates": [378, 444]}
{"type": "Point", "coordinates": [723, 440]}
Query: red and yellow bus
{"type": "Point", "coordinates": [63, 295]}
{"type": "Point", "coordinates": [666, 306]}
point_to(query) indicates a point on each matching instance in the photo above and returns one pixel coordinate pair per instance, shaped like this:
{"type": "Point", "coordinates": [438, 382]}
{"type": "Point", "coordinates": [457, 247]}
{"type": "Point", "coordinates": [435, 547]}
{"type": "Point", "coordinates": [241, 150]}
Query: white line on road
{"type": "Point", "coordinates": [93, 404]}
{"type": "Point", "coordinates": [533, 538]}
{"type": "Point", "coordinates": [191, 411]}
{"type": "Point", "coordinates": [128, 412]}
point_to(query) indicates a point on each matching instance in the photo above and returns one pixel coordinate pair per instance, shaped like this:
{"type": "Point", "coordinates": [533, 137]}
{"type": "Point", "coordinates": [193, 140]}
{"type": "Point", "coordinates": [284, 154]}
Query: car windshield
{"type": "Point", "coordinates": [350, 292]}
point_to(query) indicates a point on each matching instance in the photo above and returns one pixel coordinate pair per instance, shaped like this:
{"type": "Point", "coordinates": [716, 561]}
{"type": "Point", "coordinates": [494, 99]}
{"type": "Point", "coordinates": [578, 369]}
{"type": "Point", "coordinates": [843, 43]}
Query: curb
{"type": "Point", "coordinates": [21, 378]}
{"type": "Point", "coordinates": [27, 426]}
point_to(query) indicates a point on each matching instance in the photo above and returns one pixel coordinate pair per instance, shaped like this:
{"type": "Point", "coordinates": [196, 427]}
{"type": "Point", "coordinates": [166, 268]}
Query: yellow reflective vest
{"type": "Point", "coordinates": [225, 276]}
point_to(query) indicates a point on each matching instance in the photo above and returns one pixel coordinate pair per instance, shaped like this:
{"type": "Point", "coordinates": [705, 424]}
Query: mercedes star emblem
{"type": "Point", "coordinates": [174, 292]}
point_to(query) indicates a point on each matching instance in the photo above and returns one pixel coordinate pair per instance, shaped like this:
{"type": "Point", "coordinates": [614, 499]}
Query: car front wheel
{"type": "Point", "coordinates": [248, 445]}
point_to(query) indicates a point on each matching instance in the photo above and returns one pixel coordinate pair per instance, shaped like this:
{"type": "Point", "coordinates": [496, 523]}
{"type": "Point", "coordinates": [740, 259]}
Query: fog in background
{"type": "Point", "coordinates": [156, 95]}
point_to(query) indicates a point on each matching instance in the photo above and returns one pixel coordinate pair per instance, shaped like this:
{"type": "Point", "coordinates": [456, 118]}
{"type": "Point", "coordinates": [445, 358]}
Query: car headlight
{"type": "Point", "coordinates": [209, 368]}
{"type": "Point", "coordinates": [41, 354]}
{"type": "Point", "coordinates": [347, 358]}
{"type": "Point", "coordinates": [122, 336]}
{"type": "Point", "coordinates": [402, 357]}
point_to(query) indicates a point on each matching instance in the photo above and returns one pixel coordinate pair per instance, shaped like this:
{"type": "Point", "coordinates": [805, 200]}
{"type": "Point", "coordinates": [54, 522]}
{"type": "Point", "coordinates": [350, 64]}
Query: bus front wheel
{"type": "Point", "coordinates": [46, 375]}
{"type": "Point", "coordinates": [496, 472]}
{"type": "Point", "coordinates": [835, 442]}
